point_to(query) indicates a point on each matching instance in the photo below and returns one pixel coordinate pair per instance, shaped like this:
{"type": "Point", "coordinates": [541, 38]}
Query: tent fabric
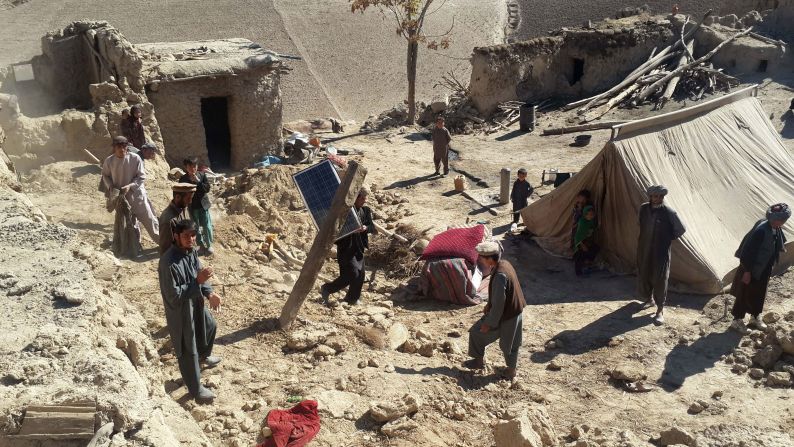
{"type": "Point", "coordinates": [724, 164]}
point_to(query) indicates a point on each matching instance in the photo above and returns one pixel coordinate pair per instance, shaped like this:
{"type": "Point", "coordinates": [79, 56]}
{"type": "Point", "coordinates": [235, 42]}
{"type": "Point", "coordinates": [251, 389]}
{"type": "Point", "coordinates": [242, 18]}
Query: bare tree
{"type": "Point", "coordinates": [410, 16]}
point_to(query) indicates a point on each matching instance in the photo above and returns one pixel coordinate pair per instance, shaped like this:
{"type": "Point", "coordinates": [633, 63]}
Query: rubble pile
{"type": "Point", "coordinates": [768, 356]}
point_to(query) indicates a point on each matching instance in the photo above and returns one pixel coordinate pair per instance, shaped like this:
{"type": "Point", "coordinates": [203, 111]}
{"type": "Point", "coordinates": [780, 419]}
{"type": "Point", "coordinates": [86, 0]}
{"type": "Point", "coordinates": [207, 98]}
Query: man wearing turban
{"type": "Point", "coordinates": [659, 226]}
{"type": "Point", "coordinates": [758, 253]}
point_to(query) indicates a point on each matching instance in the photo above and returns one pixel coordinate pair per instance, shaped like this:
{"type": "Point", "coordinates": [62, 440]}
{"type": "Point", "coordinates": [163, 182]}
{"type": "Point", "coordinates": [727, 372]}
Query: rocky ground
{"type": "Point", "coordinates": [388, 371]}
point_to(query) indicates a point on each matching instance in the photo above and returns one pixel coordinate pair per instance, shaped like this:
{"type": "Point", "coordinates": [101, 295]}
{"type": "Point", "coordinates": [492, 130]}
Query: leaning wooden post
{"type": "Point", "coordinates": [343, 199]}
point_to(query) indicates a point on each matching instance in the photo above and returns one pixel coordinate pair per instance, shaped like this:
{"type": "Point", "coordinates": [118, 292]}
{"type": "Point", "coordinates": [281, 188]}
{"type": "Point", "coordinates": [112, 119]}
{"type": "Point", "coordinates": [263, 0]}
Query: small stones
{"type": "Point", "coordinates": [675, 436]}
{"type": "Point", "coordinates": [553, 365]}
{"type": "Point", "coordinates": [427, 349]}
{"type": "Point", "coordinates": [697, 407]}
{"type": "Point", "coordinates": [387, 411]}
{"type": "Point", "coordinates": [779, 379]}
{"type": "Point", "coordinates": [771, 317]}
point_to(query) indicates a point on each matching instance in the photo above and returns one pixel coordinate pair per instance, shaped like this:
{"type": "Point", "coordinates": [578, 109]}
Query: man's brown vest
{"type": "Point", "coordinates": [514, 297]}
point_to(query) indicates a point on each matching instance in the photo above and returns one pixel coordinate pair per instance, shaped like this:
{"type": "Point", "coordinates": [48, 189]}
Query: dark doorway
{"type": "Point", "coordinates": [578, 70]}
{"type": "Point", "coordinates": [763, 65]}
{"type": "Point", "coordinates": [215, 115]}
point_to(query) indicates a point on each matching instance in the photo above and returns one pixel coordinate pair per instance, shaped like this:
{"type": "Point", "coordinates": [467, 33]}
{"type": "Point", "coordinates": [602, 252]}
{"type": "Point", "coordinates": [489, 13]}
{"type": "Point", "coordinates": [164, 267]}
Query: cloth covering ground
{"type": "Point", "coordinates": [724, 164]}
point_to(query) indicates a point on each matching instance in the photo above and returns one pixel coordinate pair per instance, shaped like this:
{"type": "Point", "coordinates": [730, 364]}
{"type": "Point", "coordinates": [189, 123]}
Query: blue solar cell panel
{"type": "Point", "coordinates": [317, 185]}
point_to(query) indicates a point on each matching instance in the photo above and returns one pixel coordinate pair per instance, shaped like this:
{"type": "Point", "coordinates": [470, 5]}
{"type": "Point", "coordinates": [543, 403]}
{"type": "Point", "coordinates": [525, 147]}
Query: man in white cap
{"type": "Point", "coordinates": [124, 171]}
{"type": "Point", "coordinates": [659, 227]}
{"type": "Point", "coordinates": [175, 211]}
{"type": "Point", "coordinates": [502, 320]}
{"type": "Point", "coordinates": [758, 253]}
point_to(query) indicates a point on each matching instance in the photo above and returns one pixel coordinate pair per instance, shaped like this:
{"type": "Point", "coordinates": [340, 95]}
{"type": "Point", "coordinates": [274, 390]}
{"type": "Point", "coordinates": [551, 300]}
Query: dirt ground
{"type": "Point", "coordinates": [595, 321]}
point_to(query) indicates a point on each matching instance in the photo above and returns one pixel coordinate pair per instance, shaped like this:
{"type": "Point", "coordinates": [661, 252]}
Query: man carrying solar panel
{"type": "Point", "coordinates": [350, 255]}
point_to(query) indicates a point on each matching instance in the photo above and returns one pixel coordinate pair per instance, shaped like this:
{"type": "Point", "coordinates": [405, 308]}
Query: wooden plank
{"type": "Point", "coordinates": [57, 423]}
{"type": "Point", "coordinates": [45, 436]}
{"type": "Point", "coordinates": [582, 128]}
{"type": "Point", "coordinates": [343, 199]}
{"type": "Point", "coordinates": [62, 409]}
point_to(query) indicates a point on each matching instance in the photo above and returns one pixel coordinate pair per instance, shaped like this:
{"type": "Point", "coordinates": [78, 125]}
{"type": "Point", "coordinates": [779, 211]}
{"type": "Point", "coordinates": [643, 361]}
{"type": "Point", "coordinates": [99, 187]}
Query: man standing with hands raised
{"type": "Point", "coordinates": [185, 287]}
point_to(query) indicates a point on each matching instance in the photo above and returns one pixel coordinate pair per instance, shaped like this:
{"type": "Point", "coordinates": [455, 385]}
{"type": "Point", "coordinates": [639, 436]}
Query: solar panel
{"type": "Point", "coordinates": [317, 185]}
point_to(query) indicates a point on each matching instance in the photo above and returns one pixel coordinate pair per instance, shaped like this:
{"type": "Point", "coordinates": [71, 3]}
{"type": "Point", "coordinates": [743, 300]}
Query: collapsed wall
{"type": "Point", "coordinates": [580, 62]}
{"type": "Point", "coordinates": [573, 63]}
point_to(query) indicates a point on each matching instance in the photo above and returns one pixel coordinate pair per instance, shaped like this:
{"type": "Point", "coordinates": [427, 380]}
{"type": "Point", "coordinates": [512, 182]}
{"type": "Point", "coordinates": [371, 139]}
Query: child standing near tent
{"type": "Point", "coordinates": [520, 194]}
{"type": "Point", "coordinates": [582, 200]}
{"type": "Point", "coordinates": [585, 248]}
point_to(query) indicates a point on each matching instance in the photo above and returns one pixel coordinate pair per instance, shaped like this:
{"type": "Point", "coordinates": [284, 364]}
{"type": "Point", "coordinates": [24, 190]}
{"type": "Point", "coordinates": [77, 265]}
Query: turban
{"type": "Point", "coordinates": [183, 187]}
{"type": "Point", "coordinates": [489, 248]}
{"type": "Point", "coordinates": [778, 211]}
{"type": "Point", "coordinates": [657, 189]}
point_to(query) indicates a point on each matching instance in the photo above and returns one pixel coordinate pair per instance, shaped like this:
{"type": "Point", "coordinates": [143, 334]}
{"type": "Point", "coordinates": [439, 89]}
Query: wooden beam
{"type": "Point", "coordinates": [582, 128]}
{"type": "Point", "coordinates": [343, 199]}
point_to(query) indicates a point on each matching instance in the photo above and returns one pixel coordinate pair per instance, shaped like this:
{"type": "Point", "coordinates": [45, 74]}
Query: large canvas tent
{"type": "Point", "coordinates": [723, 163]}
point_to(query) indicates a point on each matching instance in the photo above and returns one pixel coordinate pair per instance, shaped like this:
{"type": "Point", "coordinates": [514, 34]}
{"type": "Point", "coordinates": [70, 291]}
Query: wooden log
{"type": "Point", "coordinates": [671, 86]}
{"type": "Point", "coordinates": [344, 198]}
{"type": "Point", "coordinates": [660, 83]}
{"type": "Point", "coordinates": [582, 128]}
{"type": "Point", "coordinates": [388, 233]}
{"type": "Point", "coordinates": [687, 47]}
{"type": "Point", "coordinates": [93, 157]}
{"type": "Point", "coordinates": [768, 40]}
{"type": "Point", "coordinates": [652, 63]}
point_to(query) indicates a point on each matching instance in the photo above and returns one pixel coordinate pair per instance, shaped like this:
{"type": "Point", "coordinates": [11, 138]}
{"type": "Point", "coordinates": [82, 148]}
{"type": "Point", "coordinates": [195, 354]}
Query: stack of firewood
{"type": "Point", "coordinates": [671, 71]}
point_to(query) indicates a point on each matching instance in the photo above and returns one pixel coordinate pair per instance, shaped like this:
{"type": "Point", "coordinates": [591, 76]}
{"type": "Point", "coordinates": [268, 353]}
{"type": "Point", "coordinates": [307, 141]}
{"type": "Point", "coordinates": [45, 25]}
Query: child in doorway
{"type": "Point", "coordinates": [200, 207]}
{"type": "Point", "coordinates": [520, 195]}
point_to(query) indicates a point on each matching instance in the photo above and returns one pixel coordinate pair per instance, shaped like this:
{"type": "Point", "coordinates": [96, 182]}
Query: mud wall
{"type": "Point", "coordinates": [81, 54]}
{"type": "Point", "coordinates": [574, 64]}
{"type": "Point", "coordinates": [254, 113]}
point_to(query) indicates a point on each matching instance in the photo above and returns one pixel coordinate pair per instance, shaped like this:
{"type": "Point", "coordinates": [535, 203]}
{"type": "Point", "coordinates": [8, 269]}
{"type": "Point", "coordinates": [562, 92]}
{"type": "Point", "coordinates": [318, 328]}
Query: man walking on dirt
{"type": "Point", "coordinates": [502, 320]}
{"type": "Point", "coordinates": [350, 255]}
{"type": "Point", "coordinates": [185, 287]}
{"type": "Point", "coordinates": [441, 139]}
{"type": "Point", "coordinates": [125, 172]}
{"type": "Point", "coordinates": [659, 226]}
{"type": "Point", "coordinates": [174, 212]}
{"type": "Point", "coordinates": [758, 253]}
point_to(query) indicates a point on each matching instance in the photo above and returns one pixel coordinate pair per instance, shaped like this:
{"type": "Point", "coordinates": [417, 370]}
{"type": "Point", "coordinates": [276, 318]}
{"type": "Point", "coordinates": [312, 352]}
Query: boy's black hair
{"type": "Point", "coordinates": [585, 193]}
{"type": "Point", "coordinates": [183, 225]}
{"type": "Point", "coordinates": [192, 161]}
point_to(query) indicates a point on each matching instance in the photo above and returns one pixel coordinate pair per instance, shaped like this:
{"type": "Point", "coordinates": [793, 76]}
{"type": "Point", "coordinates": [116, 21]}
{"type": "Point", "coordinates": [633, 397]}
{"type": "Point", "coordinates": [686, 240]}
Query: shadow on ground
{"type": "Point", "coordinates": [685, 361]}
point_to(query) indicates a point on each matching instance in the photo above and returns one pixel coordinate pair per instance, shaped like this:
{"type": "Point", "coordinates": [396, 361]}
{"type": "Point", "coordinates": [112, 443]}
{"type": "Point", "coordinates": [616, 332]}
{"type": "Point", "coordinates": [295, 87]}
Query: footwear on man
{"type": "Point", "coordinates": [509, 373]}
{"type": "Point", "coordinates": [209, 251]}
{"type": "Point", "coordinates": [211, 361]}
{"type": "Point", "coordinates": [352, 302]}
{"type": "Point", "coordinates": [659, 317]}
{"type": "Point", "coordinates": [648, 304]}
{"type": "Point", "coordinates": [436, 173]}
{"type": "Point", "coordinates": [739, 326]}
{"type": "Point", "coordinates": [758, 324]}
{"type": "Point", "coordinates": [204, 396]}
{"type": "Point", "coordinates": [324, 294]}
{"type": "Point", "coordinates": [474, 363]}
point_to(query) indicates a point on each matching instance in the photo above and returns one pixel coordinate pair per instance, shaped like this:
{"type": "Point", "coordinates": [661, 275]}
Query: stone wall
{"type": "Point", "coordinates": [544, 67]}
{"type": "Point", "coordinates": [254, 103]}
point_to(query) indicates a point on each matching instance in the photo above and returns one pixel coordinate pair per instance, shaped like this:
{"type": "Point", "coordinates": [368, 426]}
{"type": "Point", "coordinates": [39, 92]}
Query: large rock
{"type": "Point", "coordinates": [787, 344]}
{"type": "Point", "coordinates": [628, 372]}
{"type": "Point", "coordinates": [336, 403]}
{"type": "Point", "coordinates": [305, 339]}
{"type": "Point", "coordinates": [246, 204]}
{"type": "Point", "coordinates": [387, 411]}
{"type": "Point", "coordinates": [781, 379]}
{"type": "Point", "coordinates": [439, 104]}
{"type": "Point", "coordinates": [676, 436]}
{"type": "Point", "coordinates": [516, 433]}
{"type": "Point", "coordinates": [538, 420]}
{"type": "Point", "coordinates": [399, 427]}
{"type": "Point", "coordinates": [766, 358]}
{"type": "Point", "coordinates": [397, 336]}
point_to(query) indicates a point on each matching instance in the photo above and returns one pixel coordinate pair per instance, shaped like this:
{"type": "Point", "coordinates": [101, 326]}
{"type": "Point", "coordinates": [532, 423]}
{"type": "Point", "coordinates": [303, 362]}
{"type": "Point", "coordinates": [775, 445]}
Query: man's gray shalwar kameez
{"type": "Point", "coordinates": [658, 228]}
{"type": "Point", "coordinates": [190, 324]}
{"type": "Point", "coordinates": [120, 172]}
{"type": "Point", "coordinates": [509, 332]}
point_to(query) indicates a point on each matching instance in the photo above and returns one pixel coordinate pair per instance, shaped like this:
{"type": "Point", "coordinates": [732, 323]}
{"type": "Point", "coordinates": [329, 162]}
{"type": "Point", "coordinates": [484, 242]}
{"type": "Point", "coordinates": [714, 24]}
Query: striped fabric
{"type": "Point", "coordinates": [449, 280]}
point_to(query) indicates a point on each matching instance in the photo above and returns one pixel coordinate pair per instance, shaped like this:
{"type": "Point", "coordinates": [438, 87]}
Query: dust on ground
{"type": "Point", "coordinates": [576, 331]}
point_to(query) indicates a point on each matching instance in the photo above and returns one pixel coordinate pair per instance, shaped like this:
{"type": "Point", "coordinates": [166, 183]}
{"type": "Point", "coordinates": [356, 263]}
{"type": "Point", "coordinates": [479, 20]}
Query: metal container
{"type": "Point", "coordinates": [526, 116]}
